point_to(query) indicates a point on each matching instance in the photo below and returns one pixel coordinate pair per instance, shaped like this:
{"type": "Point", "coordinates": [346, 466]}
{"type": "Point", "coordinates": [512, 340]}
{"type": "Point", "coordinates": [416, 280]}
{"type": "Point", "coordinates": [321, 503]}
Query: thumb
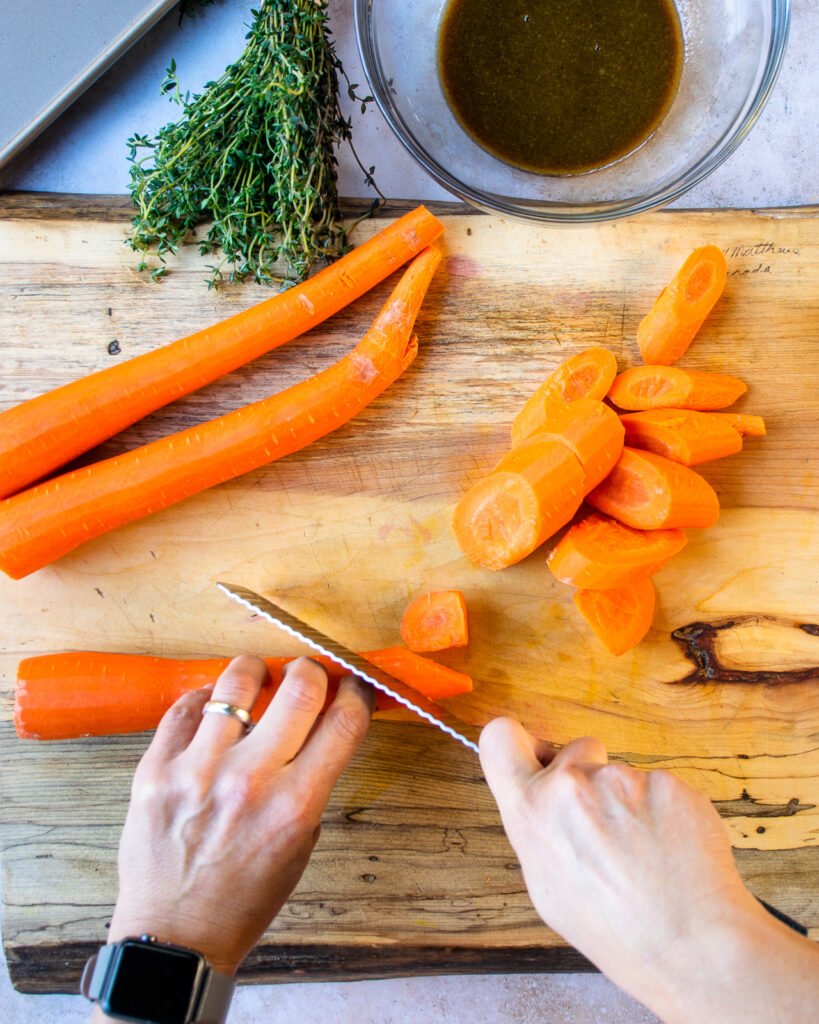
{"type": "Point", "coordinates": [510, 757]}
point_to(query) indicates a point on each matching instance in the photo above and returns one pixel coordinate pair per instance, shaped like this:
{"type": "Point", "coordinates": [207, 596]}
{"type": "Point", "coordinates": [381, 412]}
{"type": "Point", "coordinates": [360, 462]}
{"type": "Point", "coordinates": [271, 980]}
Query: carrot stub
{"type": "Point", "coordinates": [589, 429]}
{"type": "Point", "coordinates": [599, 553]}
{"type": "Point", "coordinates": [650, 492]}
{"type": "Point", "coordinates": [669, 387]}
{"type": "Point", "coordinates": [44, 433]}
{"type": "Point", "coordinates": [683, 435]}
{"type": "Point", "coordinates": [89, 693]}
{"type": "Point", "coordinates": [588, 374]}
{"type": "Point", "coordinates": [681, 308]}
{"type": "Point", "coordinates": [47, 521]}
{"type": "Point", "coordinates": [532, 492]}
{"type": "Point", "coordinates": [435, 621]}
{"type": "Point", "coordinates": [621, 617]}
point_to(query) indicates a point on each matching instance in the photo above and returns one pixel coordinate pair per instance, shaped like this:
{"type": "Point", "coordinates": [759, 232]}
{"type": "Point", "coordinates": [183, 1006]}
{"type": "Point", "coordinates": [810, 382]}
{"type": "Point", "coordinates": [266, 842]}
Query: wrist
{"type": "Point", "coordinates": [202, 937]}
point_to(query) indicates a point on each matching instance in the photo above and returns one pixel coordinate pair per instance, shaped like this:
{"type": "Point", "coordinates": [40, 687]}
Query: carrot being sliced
{"type": "Point", "coordinates": [90, 693]}
{"type": "Point", "coordinates": [748, 426]}
{"type": "Point", "coordinates": [599, 553]}
{"type": "Point", "coordinates": [435, 621]}
{"type": "Point", "coordinates": [532, 492]}
{"type": "Point", "coordinates": [650, 492]}
{"type": "Point", "coordinates": [44, 433]}
{"type": "Point", "coordinates": [669, 387]}
{"type": "Point", "coordinates": [681, 308]}
{"type": "Point", "coordinates": [587, 374]}
{"type": "Point", "coordinates": [47, 521]}
{"type": "Point", "coordinates": [620, 618]}
{"type": "Point", "coordinates": [590, 429]}
{"type": "Point", "coordinates": [683, 435]}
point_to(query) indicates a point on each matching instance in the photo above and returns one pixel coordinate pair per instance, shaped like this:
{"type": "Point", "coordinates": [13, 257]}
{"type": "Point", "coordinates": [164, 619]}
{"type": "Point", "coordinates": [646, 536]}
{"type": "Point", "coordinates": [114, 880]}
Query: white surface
{"type": "Point", "coordinates": [85, 152]}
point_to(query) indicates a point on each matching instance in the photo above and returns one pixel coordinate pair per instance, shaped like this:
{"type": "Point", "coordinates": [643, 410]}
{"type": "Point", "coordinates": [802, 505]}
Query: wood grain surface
{"type": "Point", "coordinates": [413, 872]}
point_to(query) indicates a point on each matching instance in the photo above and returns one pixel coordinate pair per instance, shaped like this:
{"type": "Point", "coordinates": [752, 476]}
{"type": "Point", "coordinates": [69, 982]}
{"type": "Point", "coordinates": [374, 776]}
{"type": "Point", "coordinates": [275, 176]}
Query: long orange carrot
{"type": "Point", "coordinates": [89, 693]}
{"type": "Point", "coordinates": [532, 492]}
{"type": "Point", "coordinates": [587, 374]}
{"type": "Point", "coordinates": [46, 432]}
{"type": "Point", "coordinates": [650, 492]}
{"type": "Point", "coordinates": [45, 522]}
{"type": "Point", "coordinates": [591, 430]}
{"type": "Point", "coordinates": [435, 621]}
{"type": "Point", "coordinates": [748, 426]}
{"type": "Point", "coordinates": [681, 308]}
{"type": "Point", "coordinates": [669, 387]}
{"type": "Point", "coordinates": [682, 435]}
{"type": "Point", "coordinates": [599, 553]}
{"type": "Point", "coordinates": [619, 618]}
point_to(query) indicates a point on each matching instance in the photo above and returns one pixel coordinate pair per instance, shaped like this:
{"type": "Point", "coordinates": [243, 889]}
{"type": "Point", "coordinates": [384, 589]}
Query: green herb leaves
{"type": "Point", "coordinates": [254, 153]}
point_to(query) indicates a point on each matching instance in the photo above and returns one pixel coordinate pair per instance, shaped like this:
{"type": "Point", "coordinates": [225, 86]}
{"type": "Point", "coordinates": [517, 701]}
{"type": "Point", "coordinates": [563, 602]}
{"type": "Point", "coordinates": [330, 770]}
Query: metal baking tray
{"type": "Point", "coordinates": [51, 51]}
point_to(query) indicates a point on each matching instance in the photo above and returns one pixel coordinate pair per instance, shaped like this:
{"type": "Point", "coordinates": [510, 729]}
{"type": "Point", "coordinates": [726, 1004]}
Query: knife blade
{"type": "Point", "coordinates": [352, 662]}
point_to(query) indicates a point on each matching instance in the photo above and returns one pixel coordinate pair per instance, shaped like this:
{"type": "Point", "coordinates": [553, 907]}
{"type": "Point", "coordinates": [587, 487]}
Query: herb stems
{"type": "Point", "coordinates": [254, 153]}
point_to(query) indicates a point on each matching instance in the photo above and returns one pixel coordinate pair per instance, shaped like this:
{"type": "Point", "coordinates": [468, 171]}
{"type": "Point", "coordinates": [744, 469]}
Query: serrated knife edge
{"type": "Point", "coordinates": [348, 659]}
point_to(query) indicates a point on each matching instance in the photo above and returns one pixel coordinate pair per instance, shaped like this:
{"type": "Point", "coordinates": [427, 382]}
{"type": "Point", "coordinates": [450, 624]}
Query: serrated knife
{"type": "Point", "coordinates": [352, 662]}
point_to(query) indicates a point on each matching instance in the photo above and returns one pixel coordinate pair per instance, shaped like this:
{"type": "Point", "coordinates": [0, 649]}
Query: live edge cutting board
{"type": "Point", "coordinates": [413, 872]}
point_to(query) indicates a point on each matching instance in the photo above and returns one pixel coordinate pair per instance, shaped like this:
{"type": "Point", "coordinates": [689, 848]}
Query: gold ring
{"type": "Point", "coordinates": [220, 707]}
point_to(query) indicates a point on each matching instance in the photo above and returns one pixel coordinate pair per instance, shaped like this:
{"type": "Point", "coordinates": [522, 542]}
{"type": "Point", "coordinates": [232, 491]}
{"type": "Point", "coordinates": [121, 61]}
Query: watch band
{"type": "Point", "coordinates": [213, 999]}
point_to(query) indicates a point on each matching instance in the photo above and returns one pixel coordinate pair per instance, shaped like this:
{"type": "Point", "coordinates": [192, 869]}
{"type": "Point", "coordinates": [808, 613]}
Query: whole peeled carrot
{"type": "Point", "coordinates": [681, 309]}
{"type": "Point", "coordinates": [46, 432]}
{"type": "Point", "coordinates": [47, 521]}
{"type": "Point", "coordinates": [91, 693]}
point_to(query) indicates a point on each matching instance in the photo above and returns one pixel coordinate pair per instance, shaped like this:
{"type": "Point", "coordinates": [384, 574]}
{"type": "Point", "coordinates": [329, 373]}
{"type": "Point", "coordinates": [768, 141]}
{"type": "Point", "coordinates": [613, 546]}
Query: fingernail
{"type": "Point", "coordinates": [366, 691]}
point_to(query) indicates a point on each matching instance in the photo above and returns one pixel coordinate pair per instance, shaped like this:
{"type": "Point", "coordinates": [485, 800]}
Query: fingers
{"type": "Point", "coordinates": [291, 715]}
{"type": "Point", "coordinates": [341, 732]}
{"type": "Point", "coordinates": [178, 726]}
{"type": "Point", "coordinates": [584, 751]}
{"type": "Point", "coordinates": [510, 756]}
{"type": "Point", "coordinates": [239, 685]}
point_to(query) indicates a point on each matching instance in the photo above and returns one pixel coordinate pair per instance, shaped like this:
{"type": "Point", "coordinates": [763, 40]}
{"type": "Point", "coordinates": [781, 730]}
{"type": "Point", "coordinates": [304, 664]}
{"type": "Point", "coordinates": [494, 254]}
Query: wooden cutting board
{"type": "Point", "coordinates": [413, 873]}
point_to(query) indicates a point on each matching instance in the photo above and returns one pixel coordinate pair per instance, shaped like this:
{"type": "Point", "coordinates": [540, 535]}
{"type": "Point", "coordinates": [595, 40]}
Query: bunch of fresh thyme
{"type": "Point", "coordinates": [253, 153]}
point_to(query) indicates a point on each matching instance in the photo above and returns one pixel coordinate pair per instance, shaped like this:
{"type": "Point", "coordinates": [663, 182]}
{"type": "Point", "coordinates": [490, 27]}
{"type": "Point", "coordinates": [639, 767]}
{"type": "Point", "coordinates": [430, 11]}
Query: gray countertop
{"type": "Point", "coordinates": [85, 152]}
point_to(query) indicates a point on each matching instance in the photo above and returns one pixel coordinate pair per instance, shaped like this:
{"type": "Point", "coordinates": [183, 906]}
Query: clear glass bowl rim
{"type": "Point", "coordinates": [567, 213]}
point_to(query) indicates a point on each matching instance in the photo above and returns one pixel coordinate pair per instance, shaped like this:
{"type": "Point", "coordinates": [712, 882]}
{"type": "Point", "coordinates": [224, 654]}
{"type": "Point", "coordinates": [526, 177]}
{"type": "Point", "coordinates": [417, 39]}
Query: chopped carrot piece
{"type": "Point", "coordinates": [599, 553]}
{"type": "Point", "coordinates": [590, 429]}
{"type": "Point", "coordinates": [588, 374]}
{"type": "Point", "coordinates": [683, 435]}
{"type": "Point", "coordinates": [669, 387]}
{"type": "Point", "coordinates": [435, 621]}
{"type": "Point", "coordinates": [620, 618]}
{"type": "Point", "coordinates": [91, 693]}
{"type": "Point", "coordinates": [681, 308]}
{"type": "Point", "coordinates": [748, 426]}
{"type": "Point", "coordinates": [650, 492]}
{"type": "Point", "coordinates": [532, 492]}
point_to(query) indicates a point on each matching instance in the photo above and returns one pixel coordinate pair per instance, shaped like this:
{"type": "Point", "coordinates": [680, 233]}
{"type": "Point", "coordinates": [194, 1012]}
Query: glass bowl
{"type": "Point", "coordinates": [733, 53]}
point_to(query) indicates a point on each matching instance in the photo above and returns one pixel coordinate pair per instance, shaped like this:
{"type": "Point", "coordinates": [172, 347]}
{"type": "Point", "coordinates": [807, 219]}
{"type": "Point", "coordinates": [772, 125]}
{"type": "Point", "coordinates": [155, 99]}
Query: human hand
{"type": "Point", "coordinates": [221, 824]}
{"type": "Point", "coordinates": [635, 870]}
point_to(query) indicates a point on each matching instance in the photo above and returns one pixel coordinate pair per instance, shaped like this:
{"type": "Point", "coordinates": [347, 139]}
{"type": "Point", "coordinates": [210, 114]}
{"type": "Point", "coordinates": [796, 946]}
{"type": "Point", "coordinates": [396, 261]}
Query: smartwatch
{"type": "Point", "coordinates": [152, 982]}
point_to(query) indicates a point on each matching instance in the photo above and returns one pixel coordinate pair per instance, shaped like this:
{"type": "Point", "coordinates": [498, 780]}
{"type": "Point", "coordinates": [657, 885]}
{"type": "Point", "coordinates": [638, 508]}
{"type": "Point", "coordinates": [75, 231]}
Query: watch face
{"type": "Point", "coordinates": [153, 984]}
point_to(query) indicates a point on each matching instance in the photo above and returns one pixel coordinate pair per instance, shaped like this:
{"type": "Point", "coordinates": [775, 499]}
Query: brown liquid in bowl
{"type": "Point", "coordinates": [560, 86]}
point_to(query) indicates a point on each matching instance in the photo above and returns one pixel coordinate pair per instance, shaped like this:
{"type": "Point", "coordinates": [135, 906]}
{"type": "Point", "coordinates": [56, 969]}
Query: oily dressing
{"type": "Point", "coordinates": [560, 86]}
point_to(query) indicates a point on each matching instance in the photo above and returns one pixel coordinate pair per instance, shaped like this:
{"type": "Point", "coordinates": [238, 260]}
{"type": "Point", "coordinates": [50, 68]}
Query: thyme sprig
{"type": "Point", "coordinates": [254, 153]}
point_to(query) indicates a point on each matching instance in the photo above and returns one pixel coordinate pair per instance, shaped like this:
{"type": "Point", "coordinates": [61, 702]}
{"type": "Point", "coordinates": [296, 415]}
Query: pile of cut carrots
{"type": "Point", "coordinates": [41, 522]}
{"type": "Point", "coordinates": [623, 445]}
